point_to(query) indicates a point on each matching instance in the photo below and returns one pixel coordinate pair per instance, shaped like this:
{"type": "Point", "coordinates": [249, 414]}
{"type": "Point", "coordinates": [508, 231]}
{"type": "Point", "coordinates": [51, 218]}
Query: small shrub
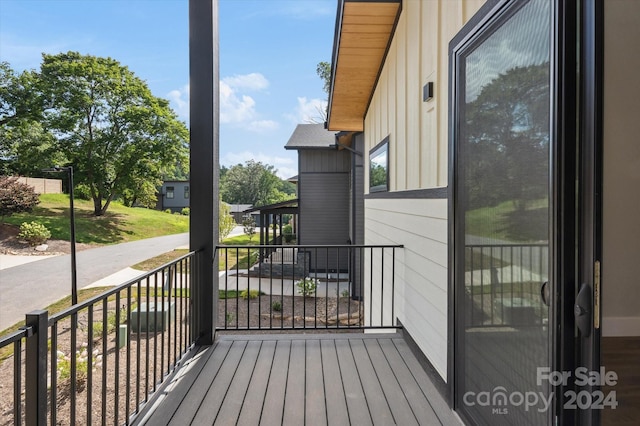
{"type": "Point", "coordinates": [16, 197]}
{"type": "Point", "coordinates": [287, 232]}
{"type": "Point", "coordinates": [82, 192]}
{"type": "Point", "coordinates": [168, 211]}
{"type": "Point", "coordinates": [34, 233]}
{"type": "Point", "coordinates": [249, 227]}
{"type": "Point", "coordinates": [345, 293]}
{"type": "Point", "coordinates": [249, 294]}
{"type": "Point", "coordinates": [307, 286]}
{"type": "Point", "coordinates": [276, 307]}
{"type": "Point", "coordinates": [185, 211]}
{"type": "Point", "coordinates": [84, 361]}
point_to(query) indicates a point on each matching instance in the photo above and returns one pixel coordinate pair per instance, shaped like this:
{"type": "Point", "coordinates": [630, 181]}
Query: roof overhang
{"type": "Point", "coordinates": [364, 29]}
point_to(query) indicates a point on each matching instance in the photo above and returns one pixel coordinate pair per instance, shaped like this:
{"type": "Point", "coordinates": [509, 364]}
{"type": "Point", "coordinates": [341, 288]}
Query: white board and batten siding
{"type": "Point", "coordinates": [418, 159]}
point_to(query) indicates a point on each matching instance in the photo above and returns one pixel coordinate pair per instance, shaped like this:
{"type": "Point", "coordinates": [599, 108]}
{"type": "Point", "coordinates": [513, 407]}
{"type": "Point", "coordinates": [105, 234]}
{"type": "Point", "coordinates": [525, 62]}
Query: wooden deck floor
{"type": "Point", "coordinates": [337, 379]}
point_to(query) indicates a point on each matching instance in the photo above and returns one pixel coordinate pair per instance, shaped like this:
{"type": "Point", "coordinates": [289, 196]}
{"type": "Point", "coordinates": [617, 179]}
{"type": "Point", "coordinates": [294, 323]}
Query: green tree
{"type": "Point", "coordinates": [253, 183]}
{"type": "Point", "coordinates": [323, 69]}
{"type": "Point", "coordinates": [109, 126]}
{"type": "Point", "coordinates": [26, 146]}
{"type": "Point", "coordinates": [508, 139]}
{"type": "Point", "coordinates": [226, 222]}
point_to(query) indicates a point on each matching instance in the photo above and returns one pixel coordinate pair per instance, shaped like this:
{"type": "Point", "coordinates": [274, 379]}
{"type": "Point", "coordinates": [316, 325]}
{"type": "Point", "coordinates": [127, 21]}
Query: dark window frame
{"type": "Point", "coordinates": [186, 192]}
{"type": "Point", "coordinates": [170, 194]}
{"type": "Point", "coordinates": [377, 151]}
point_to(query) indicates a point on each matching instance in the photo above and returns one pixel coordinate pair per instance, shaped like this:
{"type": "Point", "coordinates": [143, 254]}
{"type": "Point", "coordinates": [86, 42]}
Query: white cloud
{"type": "Point", "coordinates": [259, 126]}
{"type": "Point", "coordinates": [309, 111]}
{"type": "Point", "coordinates": [253, 81]}
{"type": "Point", "coordinates": [286, 167]}
{"type": "Point", "coordinates": [179, 100]}
{"type": "Point", "coordinates": [235, 108]}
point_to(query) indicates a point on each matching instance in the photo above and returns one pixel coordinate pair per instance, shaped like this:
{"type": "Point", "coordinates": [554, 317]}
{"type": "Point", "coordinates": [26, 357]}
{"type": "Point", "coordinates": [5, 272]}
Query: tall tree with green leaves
{"type": "Point", "coordinates": [109, 126]}
{"type": "Point", "coordinates": [253, 183]}
{"type": "Point", "coordinates": [26, 146]}
{"type": "Point", "coordinates": [323, 69]}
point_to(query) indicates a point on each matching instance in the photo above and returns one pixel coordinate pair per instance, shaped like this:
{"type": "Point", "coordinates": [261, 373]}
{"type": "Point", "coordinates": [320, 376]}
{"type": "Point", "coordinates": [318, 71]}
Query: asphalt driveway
{"type": "Point", "coordinates": [36, 285]}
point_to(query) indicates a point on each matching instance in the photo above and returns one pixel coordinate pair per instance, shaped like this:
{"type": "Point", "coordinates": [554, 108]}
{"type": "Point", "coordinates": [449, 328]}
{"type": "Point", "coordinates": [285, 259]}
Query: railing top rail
{"type": "Point", "coordinates": [14, 336]}
{"type": "Point", "coordinates": [271, 246]}
{"type": "Point", "coordinates": [506, 245]}
{"type": "Point", "coordinates": [80, 306]}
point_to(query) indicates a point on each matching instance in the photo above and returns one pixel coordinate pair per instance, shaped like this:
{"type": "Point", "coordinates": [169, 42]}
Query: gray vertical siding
{"type": "Point", "coordinates": [357, 231]}
{"type": "Point", "coordinates": [324, 161]}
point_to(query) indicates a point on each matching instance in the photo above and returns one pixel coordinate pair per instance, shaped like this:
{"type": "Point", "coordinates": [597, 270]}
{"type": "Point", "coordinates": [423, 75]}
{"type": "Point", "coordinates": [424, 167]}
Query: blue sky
{"type": "Point", "coordinates": [268, 55]}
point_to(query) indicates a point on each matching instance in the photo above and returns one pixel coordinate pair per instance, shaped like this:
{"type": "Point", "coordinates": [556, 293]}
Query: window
{"type": "Point", "coordinates": [170, 191]}
{"type": "Point", "coordinates": [186, 192]}
{"type": "Point", "coordinates": [379, 167]}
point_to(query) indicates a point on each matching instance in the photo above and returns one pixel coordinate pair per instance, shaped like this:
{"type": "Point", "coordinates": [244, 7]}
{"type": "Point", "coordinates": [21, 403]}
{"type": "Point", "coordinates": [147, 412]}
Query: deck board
{"type": "Point", "coordinates": [276, 388]}
{"type": "Point", "coordinates": [315, 399]}
{"type": "Point", "coordinates": [356, 400]}
{"type": "Point", "coordinates": [400, 408]}
{"type": "Point", "coordinates": [337, 413]}
{"type": "Point", "coordinates": [294, 401]}
{"type": "Point", "coordinates": [200, 385]}
{"type": "Point", "coordinates": [314, 379]}
{"type": "Point", "coordinates": [257, 386]}
{"type": "Point", "coordinates": [232, 404]}
{"type": "Point", "coordinates": [376, 399]}
{"type": "Point", "coordinates": [212, 401]}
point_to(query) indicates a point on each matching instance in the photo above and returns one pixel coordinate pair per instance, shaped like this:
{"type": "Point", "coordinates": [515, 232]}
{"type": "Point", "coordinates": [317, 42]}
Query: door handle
{"type": "Point", "coordinates": [545, 293]}
{"type": "Point", "coordinates": [582, 310]}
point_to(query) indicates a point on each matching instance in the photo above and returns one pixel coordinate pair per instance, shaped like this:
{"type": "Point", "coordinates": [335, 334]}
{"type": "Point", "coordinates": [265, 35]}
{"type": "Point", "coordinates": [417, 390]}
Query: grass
{"type": "Point", "coordinates": [120, 224]}
{"type": "Point", "coordinates": [504, 222]}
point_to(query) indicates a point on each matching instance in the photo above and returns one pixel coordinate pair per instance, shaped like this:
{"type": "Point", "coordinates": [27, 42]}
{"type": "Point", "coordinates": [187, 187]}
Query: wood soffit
{"type": "Point", "coordinates": [363, 34]}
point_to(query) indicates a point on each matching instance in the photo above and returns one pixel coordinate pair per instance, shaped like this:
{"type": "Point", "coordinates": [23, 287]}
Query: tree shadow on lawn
{"type": "Point", "coordinates": [107, 229]}
{"type": "Point", "coordinates": [527, 225]}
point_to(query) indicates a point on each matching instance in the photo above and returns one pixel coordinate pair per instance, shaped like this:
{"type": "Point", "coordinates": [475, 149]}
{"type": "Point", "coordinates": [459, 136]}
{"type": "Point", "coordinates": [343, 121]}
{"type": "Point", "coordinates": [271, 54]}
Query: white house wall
{"type": "Point", "coordinates": [621, 224]}
{"type": "Point", "coordinates": [418, 155]}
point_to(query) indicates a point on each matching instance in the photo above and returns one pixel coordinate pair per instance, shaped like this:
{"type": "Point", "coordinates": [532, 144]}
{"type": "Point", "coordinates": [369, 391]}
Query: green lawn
{"type": "Point", "coordinates": [120, 224]}
{"type": "Point", "coordinates": [503, 222]}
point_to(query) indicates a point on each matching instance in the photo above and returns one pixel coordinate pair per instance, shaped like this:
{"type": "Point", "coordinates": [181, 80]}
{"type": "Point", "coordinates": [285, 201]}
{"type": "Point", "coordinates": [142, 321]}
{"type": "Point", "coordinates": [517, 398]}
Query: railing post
{"type": "Point", "coordinates": [36, 369]}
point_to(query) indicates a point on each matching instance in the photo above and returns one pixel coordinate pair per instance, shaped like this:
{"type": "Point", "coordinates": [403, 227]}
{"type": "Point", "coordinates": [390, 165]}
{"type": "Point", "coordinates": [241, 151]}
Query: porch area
{"type": "Point", "coordinates": [313, 379]}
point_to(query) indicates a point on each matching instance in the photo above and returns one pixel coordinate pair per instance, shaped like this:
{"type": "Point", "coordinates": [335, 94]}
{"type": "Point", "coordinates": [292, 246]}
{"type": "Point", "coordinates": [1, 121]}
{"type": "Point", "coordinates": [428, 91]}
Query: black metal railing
{"type": "Point", "coordinates": [503, 284]}
{"type": "Point", "coordinates": [306, 287]}
{"type": "Point", "coordinates": [103, 358]}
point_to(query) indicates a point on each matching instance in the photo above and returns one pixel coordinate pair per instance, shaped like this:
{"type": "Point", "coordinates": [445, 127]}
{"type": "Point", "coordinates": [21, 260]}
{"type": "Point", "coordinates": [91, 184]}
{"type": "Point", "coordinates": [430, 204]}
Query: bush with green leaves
{"type": "Point", "coordinates": [307, 286]}
{"type": "Point", "coordinates": [276, 306]}
{"type": "Point", "coordinates": [168, 211]}
{"type": "Point", "coordinates": [287, 232]}
{"type": "Point", "coordinates": [186, 211]}
{"type": "Point", "coordinates": [16, 197]}
{"type": "Point", "coordinates": [82, 192]}
{"type": "Point", "coordinates": [34, 233]}
{"type": "Point", "coordinates": [249, 294]}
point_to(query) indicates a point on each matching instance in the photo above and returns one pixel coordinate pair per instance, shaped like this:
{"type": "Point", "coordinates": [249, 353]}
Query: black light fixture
{"type": "Point", "coordinates": [427, 92]}
{"type": "Point", "coordinates": [72, 226]}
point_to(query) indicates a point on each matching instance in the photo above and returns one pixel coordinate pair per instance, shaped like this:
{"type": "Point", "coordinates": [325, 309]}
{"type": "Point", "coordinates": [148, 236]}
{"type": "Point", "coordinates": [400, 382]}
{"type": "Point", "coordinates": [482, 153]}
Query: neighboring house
{"type": "Point", "coordinates": [237, 211]}
{"type": "Point", "coordinates": [330, 191]}
{"type": "Point", "coordinates": [472, 115]}
{"type": "Point", "coordinates": [174, 195]}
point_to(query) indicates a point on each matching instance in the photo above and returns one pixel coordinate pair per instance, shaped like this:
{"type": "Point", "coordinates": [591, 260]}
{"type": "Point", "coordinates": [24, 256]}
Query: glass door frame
{"type": "Point", "coordinates": [570, 230]}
